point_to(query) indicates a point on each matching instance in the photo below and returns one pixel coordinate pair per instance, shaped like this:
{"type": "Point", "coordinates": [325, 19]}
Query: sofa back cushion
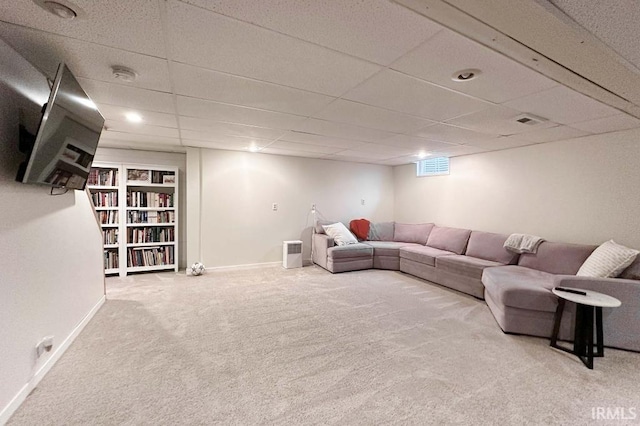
{"type": "Point", "coordinates": [490, 246]}
{"type": "Point", "coordinates": [449, 239]}
{"type": "Point", "coordinates": [412, 233]}
{"type": "Point", "coordinates": [557, 258]}
{"type": "Point", "coordinates": [381, 231]}
{"type": "Point", "coordinates": [633, 271]}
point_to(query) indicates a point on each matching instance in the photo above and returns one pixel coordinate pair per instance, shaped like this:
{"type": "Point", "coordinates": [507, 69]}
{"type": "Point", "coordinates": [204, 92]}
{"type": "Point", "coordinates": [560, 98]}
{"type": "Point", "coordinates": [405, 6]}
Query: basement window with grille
{"type": "Point", "coordinates": [435, 166]}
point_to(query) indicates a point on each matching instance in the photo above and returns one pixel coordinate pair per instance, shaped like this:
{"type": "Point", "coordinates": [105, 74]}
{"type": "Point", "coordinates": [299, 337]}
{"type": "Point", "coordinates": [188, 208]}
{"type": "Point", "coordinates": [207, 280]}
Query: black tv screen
{"type": "Point", "coordinates": [67, 137]}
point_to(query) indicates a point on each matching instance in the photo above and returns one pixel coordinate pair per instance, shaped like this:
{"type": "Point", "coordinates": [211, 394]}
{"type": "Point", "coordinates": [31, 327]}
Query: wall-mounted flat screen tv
{"type": "Point", "coordinates": [67, 137]}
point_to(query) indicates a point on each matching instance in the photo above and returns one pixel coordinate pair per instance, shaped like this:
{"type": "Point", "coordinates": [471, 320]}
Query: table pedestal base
{"type": "Point", "coordinates": [582, 334]}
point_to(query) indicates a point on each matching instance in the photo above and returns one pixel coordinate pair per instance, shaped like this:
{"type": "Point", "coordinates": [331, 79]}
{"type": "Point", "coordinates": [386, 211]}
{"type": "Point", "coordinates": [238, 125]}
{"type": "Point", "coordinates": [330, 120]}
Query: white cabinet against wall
{"type": "Point", "coordinates": [139, 222]}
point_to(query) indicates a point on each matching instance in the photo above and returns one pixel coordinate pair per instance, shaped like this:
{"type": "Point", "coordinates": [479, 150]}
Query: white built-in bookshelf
{"type": "Point", "coordinates": [137, 208]}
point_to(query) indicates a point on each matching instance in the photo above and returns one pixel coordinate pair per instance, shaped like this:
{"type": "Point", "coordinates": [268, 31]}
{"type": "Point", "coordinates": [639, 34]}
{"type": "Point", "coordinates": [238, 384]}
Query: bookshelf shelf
{"type": "Point", "coordinates": [134, 203]}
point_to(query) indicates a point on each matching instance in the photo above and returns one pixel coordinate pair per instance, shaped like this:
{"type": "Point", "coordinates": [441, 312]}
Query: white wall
{"type": "Point", "coordinates": [238, 189]}
{"type": "Point", "coordinates": [51, 278]}
{"type": "Point", "coordinates": [155, 158]}
{"type": "Point", "coordinates": [583, 190]}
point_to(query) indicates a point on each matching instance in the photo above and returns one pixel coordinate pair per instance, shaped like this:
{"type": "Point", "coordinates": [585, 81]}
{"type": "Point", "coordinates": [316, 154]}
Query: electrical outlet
{"type": "Point", "coordinates": [313, 207]}
{"type": "Point", "coordinates": [274, 207]}
{"type": "Point", "coordinates": [362, 201]}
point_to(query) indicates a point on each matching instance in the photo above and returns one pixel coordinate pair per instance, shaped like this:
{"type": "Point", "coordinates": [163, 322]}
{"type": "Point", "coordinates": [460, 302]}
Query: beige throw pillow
{"type": "Point", "coordinates": [607, 261]}
{"type": "Point", "coordinates": [340, 234]}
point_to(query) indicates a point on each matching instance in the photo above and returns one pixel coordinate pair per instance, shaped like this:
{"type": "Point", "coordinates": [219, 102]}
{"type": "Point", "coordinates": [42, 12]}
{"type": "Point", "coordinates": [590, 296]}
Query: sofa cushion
{"type": "Point", "coordinates": [412, 233]}
{"type": "Point", "coordinates": [633, 271]}
{"type": "Point", "coordinates": [381, 231]}
{"type": "Point", "coordinates": [608, 260]}
{"type": "Point", "coordinates": [350, 251]}
{"type": "Point", "coordinates": [449, 239]}
{"type": "Point", "coordinates": [557, 258]}
{"type": "Point", "coordinates": [388, 248]}
{"type": "Point", "coordinates": [423, 254]}
{"type": "Point", "coordinates": [490, 246]}
{"type": "Point", "coordinates": [467, 266]}
{"type": "Point", "coordinates": [520, 287]}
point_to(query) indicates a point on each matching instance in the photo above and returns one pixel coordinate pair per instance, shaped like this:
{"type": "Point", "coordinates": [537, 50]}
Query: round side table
{"type": "Point", "coordinates": [586, 305]}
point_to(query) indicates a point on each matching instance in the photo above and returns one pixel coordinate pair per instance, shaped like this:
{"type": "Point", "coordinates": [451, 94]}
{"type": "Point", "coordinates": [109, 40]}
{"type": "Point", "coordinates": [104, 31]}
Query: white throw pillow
{"type": "Point", "coordinates": [340, 234]}
{"type": "Point", "coordinates": [607, 261]}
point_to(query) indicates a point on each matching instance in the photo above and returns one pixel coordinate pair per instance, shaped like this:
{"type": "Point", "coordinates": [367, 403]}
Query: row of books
{"type": "Point", "coordinates": [150, 256]}
{"type": "Point", "coordinates": [149, 199]}
{"type": "Point", "coordinates": [151, 217]}
{"type": "Point", "coordinates": [105, 199]}
{"type": "Point", "coordinates": [108, 217]}
{"type": "Point", "coordinates": [110, 259]}
{"type": "Point", "coordinates": [156, 234]}
{"type": "Point", "coordinates": [103, 177]}
{"type": "Point", "coordinates": [110, 236]}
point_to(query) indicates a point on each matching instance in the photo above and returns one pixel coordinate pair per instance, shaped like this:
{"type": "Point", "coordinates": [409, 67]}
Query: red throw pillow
{"type": "Point", "coordinates": [360, 228]}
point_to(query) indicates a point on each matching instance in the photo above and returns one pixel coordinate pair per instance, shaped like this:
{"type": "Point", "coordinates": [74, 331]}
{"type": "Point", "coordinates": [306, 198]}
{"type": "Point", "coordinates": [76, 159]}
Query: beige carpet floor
{"type": "Point", "coordinates": [274, 346]}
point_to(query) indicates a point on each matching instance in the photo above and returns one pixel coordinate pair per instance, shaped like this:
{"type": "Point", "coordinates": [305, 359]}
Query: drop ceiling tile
{"type": "Point", "coordinates": [497, 120]}
{"type": "Point", "coordinates": [142, 129]}
{"type": "Point", "coordinates": [415, 143]}
{"type": "Point", "coordinates": [133, 137]}
{"type": "Point", "coordinates": [452, 134]}
{"type": "Point", "coordinates": [293, 146]}
{"type": "Point", "coordinates": [233, 145]}
{"type": "Point", "coordinates": [502, 79]}
{"type": "Point", "coordinates": [552, 134]}
{"type": "Point", "coordinates": [502, 142]}
{"type": "Point", "coordinates": [126, 96]}
{"type": "Point", "coordinates": [608, 124]}
{"type": "Point", "coordinates": [236, 114]}
{"type": "Point", "coordinates": [46, 51]}
{"type": "Point", "coordinates": [399, 92]}
{"type": "Point", "coordinates": [219, 128]}
{"type": "Point", "coordinates": [562, 105]}
{"type": "Point", "coordinates": [309, 138]}
{"type": "Point", "coordinates": [114, 143]}
{"type": "Point", "coordinates": [291, 153]}
{"type": "Point", "coordinates": [209, 137]}
{"type": "Point", "coordinates": [458, 150]}
{"type": "Point", "coordinates": [206, 39]}
{"type": "Point", "coordinates": [216, 86]}
{"type": "Point", "coordinates": [365, 155]}
{"type": "Point", "coordinates": [399, 161]}
{"type": "Point", "coordinates": [379, 31]}
{"type": "Point", "coordinates": [129, 25]}
{"type": "Point", "coordinates": [341, 130]}
{"type": "Point", "coordinates": [118, 113]}
{"type": "Point", "coordinates": [351, 159]}
{"type": "Point", "coordinates": [375, 118]}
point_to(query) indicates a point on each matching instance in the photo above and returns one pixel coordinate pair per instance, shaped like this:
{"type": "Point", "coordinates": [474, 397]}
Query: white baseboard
{"type": "Point", "coordinates": [17, 400]}
{"type": "Point", "coordinates": [245, 266]}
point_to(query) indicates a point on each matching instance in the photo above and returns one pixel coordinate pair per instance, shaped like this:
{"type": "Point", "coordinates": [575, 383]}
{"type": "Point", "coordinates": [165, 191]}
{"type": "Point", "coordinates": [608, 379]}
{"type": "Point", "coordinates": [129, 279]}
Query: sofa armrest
{"type": "Point", "coordinates": [621, 324]}
{"type": "Point", "coordinates": [320, 244]}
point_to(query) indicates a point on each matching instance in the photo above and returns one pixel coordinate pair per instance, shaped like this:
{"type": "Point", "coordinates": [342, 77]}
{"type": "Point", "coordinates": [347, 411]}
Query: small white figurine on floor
{"type": "Point", "coordinates": [197, 269]}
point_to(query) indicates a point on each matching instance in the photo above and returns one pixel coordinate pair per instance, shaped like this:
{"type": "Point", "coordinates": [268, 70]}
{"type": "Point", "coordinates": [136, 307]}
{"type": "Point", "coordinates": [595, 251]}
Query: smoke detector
{"type": "Point", "coordinates": [465, 75]}
{"type": "Point", "coordinates": [529, 119]}
{"type": "Point", "coordinates": [122, 73]}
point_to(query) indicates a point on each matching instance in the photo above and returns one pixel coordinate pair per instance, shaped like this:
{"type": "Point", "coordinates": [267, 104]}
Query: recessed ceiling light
{"type": "Point", "coordinates": [57, 8]}
{"type": "Point", "coordinates": [134, 117]}
{"type": "Point", "coordinates": [253, 148]}
{"type": "Point", "coordinates": [465, 75]}
{"type": "Point", "coordinates": [122, 73]}
{"type": "Point", "coordinates": [422, 154]}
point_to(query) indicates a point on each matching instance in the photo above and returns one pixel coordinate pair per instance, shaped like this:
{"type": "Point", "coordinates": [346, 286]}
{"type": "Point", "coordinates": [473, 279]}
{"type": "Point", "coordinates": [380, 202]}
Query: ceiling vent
{"type": "Point", "coordinates": [530, 119]}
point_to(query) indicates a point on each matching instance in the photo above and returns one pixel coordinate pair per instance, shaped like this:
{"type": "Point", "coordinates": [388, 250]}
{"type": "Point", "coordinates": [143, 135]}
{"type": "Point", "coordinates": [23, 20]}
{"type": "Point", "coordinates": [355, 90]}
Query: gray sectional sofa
{"type": "Point", "coordinates": [516, 288]}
